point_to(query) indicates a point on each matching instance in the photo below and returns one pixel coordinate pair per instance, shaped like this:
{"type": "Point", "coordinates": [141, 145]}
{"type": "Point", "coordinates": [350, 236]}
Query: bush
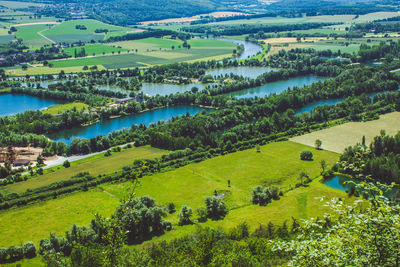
{"type": "Point", "coordinates": [67, 164]}
{"type": "Point", "coordinates": [264, 195]}
{"type": "Point", "coordinates": [306, 155]}
{"type": "Point", "coordinates": [3, 255]}
{"type": "Point", "coordinates": [171, 208]}
{"type": "Point", "coordinates": [216, 208]}
{"type": "Point", "coordinates": [29, 249]}
{"type": "Point", "coordinates": [184, 215]}
{"type": "Point", "coordinates": [202, 214]}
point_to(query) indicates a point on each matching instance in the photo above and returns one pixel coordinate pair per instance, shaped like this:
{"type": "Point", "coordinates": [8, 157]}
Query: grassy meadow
{"type": "Point", "coordinates": [98, 164]}
{"type": "Point", "coordinates": [58, 109]}
{"type": "Point", "coordinates": [277, 164]}
{"type": "Point", "coordinates": [339, 137]}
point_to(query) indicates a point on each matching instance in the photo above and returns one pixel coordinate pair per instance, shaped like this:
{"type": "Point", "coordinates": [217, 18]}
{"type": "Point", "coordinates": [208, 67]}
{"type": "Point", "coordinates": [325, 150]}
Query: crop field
{"type": "Point", "coordinates": [66, 32]}
{"type": "Point", "coordinates": [151, 51]}
{"type": "Point", "coordinates": [339, 137]}
{"type": "Point", "coordinates": [16, 4]}
{"type": "Point", "coordinates": [98, 164]}
{"type": "Point", "coordinates": [18, 71]}
{"type": "Point", "coordinates": [190, 185]}
{"type": "Point", "coordinates": [30, 34]}
{"type": "Point", "coordinates": [96, 49]}
{"type": "Point", "coordinates": [57, 109]}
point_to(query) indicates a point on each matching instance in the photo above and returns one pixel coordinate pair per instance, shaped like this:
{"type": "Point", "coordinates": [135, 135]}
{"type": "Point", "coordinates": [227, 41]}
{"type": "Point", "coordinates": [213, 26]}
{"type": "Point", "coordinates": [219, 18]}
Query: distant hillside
{"type": "Point", "coordinates": [125, 12]}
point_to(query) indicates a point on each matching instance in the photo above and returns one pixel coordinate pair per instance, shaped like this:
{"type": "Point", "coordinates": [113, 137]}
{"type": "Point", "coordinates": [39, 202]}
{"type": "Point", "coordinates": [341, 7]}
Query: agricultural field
{"type": "Point", "coordinates": [98, 164]}
{"type": "Point", "coordinates": [67, 32]}
{"type": "Point", "coordinates": [339, 137]}
{"type": "Point", "coordinates": [277, 164]}
{"type": "Point", "coordinates": [58, 109]}
{"type": "Point", "coordinates": [17, 4]}
{"type": "Point", "coordinates": [32, 34]}
{"type": "Point", "coordinates": [152, 51]}
{"type": "Point", "coordinates": [94, 49]}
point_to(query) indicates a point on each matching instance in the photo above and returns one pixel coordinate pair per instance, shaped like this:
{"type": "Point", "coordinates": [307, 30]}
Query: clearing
{"type": "Point", "coordinates": [339, 137]}
{"type": "Point", "coordinates": [277, 164]}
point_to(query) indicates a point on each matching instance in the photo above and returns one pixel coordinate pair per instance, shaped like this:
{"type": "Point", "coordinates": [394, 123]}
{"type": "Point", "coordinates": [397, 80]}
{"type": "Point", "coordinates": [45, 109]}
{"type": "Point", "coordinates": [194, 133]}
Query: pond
{"type": "Point", "coordinates": [245, 71]}
{"type": "Point", "coordinates": [276, 87]}
{"type": "Point", "coordinates": [339, 182]}
{"type": "Point", "coordinates": [105, 127]}
{"type": "Point", "coordinates": [311, 107]}
{"type": "Point", "coordinates": [14, 103]}
{"type": "Point", "coordinates": [343, 183]}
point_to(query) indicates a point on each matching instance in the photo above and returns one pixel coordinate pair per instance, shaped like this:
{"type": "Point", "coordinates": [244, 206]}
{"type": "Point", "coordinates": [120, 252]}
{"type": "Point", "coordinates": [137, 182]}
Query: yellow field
{"type": "Point", "coordinates": [339, 137]}
{"type": "Point", "coordinates": [47, 70]}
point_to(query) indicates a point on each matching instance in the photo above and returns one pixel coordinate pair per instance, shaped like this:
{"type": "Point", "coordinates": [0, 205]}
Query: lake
{"type": "Point", "coordinates": [105, 127]}
{"type": "Point", "coordinates": [311, 107]}
{"type": "Point", "coordinates": [13, 103]}
{"type": "Point", "coordinates": [276, 87]}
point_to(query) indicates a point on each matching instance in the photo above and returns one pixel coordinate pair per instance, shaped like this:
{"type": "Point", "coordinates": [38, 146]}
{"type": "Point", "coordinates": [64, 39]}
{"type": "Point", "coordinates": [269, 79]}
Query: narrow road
{"type": "Point", "coordinates": [45, 37]}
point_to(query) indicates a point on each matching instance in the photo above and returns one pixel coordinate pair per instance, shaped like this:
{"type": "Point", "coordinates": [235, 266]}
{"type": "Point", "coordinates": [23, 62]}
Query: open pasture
{"type": "Point", "coordinates": [67, 31]}
{"type": "Point", "coordinates": [62, 108]}
{"type": "Point", "coordinates": [339, 137]}
{"type": "Point", "coordinates": [98, 164]}
{"type": "Point", "coordinates": [190, 185]}
{"type": "Point", "coordinates": [96, 49]}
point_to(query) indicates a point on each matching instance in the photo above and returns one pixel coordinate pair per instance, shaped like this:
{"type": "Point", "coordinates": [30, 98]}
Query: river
{"type": "Point", "coordinates": [104, 127]}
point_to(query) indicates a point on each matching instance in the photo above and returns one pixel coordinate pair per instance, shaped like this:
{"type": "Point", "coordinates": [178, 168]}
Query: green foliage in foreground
{"type": "Point", "coordinates": [366, 237]}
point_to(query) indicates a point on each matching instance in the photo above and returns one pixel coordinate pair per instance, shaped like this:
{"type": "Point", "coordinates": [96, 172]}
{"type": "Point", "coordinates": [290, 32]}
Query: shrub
{"type": "Point", "coordinates": [216, 208]}
{"type": "Point", "coordinates": [306, 155]}
{"type": "Point", "coordinates": [67, 164]}
{"type": "Point", "coordinates": [29, 249]}
{"type": "Point", "coordinates": [184, 215]}
{"type": "Point", "coordinates": [171, 208]}
{"type": "Point", "coordinates": [202, 214]}
{"type": "Point", "coordinates": [264, 195]}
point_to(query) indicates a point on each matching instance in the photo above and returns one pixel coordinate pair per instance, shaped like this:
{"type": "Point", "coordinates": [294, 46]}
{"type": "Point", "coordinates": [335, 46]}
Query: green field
{"type": "Point", "coordinates": [97, 49]}
{"type": "Point", "coordinates": [277, 164]}
{"type": "Point", "coordinates": [66, 31]}
{"type": "Point", "coordinates": [30, 34]}
{"type": "Point", "coordinates": [151, 51]}
{"type": "Point", "coordinates": [98, 164]}
{"type": "Point", "coordinates": [16, 4]}
{"type": "Point", "coordinates": [57, 109]}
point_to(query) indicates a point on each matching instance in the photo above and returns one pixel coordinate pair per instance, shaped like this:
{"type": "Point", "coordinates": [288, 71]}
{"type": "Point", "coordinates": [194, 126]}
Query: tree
{"type": "Point", "coordinates": [367, 235]}
{"type": "Point", "coordinates": [216, 208]}
{"type": "Point", "coordinates": [306, 155]}
{"type": "Point", "coordinates": [141, 218]}
{"type": "Point", "coordinates": [318, 144]}
{"type": "Point", "coordinates": [29, 249]}
{"type": "Point", "coordinates": [323, 165]}
{"type": "Point", "coordinates": [184, 215]}
{"type": "Point", "coordinates": [24, 67]}
{"type": "Point", "coordinates": [40, 159]}
{"type": "Point", "coordinates": [67, 164]}
{"type": "Point", "coordinates": [302, 177]}
{"type": "Point", "coordinates": [171, 208]}
{"type": "Point", "coordinates": [202, 214]}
